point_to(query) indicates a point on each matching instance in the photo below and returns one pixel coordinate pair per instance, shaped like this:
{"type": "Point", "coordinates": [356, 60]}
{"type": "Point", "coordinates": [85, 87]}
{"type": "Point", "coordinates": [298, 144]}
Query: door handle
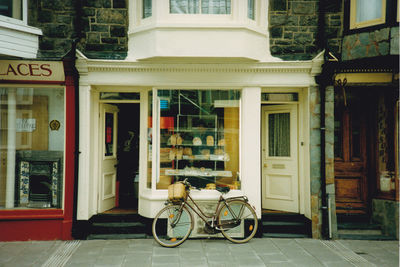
{"type": "Point", "coordinates": [265, 165]}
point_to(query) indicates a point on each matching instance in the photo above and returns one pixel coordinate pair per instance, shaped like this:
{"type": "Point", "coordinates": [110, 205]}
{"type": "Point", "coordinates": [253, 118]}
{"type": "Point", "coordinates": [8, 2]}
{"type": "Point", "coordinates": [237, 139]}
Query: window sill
{"type": "Point", "coordinates": [18, 25]}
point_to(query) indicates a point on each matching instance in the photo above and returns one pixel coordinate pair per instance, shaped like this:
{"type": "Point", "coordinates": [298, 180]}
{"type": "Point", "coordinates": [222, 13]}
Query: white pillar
{"type": "Point", "coordinates": [11, 146]}
{"type": "Point", "coordinates": [85, 187]}
{"type": "Point", "coordinates": [251, 146]}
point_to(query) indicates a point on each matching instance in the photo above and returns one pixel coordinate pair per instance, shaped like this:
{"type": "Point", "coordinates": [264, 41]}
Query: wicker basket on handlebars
{"type": "Point", "coordinates": [176, 192]}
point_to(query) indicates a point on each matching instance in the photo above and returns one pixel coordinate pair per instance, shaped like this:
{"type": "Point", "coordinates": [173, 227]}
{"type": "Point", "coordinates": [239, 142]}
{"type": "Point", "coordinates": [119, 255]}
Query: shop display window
{"type": "Point", "coordinates": [32, 130]}
{"type": "Point", "coordinates": [199, 138]}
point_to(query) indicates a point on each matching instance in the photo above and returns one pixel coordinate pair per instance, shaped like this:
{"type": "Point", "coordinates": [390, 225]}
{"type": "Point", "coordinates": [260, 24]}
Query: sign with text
{"type": "Point", "coordinates": [24, 70]}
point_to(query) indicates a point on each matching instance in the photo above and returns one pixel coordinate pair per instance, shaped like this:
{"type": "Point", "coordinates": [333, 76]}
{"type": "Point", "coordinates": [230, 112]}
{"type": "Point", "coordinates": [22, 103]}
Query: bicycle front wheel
{"type": "Point", "coordinates": [237, 221]}
{"type": "Point", "coordinates": [172, 225]}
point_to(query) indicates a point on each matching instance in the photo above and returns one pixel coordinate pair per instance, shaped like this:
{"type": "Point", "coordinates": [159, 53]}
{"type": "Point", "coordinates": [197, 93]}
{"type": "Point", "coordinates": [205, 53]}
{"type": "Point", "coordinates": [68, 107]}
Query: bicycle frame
{"type": "Point", "coordinates": [196, 209]}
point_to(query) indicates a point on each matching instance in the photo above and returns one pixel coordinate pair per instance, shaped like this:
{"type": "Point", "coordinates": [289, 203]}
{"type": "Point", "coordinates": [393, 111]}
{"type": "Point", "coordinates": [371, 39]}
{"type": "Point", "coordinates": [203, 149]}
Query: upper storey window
{"type": "Point", "coordinates": [12, 9]}
{"type": "Point", "coordinates": [147, 8]}
{"type": "Point", "coordinates": [200, 6]}
{"type": "Point", "coordinates": [251, 12]}
{"type": "Point", "coordinates": [364, 13]}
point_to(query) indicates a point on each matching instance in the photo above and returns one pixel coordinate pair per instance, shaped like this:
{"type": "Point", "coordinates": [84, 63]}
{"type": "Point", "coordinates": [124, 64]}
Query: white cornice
{"type": "Point", "coordinates": [268, 67]}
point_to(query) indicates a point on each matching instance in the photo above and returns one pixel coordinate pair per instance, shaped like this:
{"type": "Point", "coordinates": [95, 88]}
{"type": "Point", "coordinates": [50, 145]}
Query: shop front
{"type": "Point", "coordinates": [245, 126]}
{"type": "Point", "coordinates": [37, 142]}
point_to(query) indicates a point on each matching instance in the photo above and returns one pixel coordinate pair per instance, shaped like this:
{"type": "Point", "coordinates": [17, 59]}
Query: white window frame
{"type": "Point", "coordinates": [353, 16]}
{"type": "Point", "coordinates": [24, 18]}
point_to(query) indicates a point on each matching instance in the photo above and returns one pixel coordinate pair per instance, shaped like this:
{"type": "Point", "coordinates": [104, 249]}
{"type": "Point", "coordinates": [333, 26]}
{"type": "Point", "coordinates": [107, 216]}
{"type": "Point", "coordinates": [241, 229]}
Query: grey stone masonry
{"type": "Point", "coordinates": [293, 26]}
{"type": "Point", "coordinates": [105, 25]}
{"type": "Point", "coordinates": [56, 19]}
{"type": "Point", "coordinates": [98, 27]}
{"type": "Point", "coordinates": [371, 44]}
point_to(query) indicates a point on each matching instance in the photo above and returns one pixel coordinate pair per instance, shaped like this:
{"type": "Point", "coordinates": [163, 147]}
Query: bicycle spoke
{"type": "Point", "coordinates": [172, 226]}
{"type": "Point", "coordinates": [238, 228]}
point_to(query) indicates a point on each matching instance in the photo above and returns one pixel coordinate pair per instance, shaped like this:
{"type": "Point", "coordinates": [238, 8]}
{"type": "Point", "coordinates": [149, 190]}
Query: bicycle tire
{"type": "Point", "coordinates": [244, 228]}
{"type": "Point", "coordinates": [165, 233]}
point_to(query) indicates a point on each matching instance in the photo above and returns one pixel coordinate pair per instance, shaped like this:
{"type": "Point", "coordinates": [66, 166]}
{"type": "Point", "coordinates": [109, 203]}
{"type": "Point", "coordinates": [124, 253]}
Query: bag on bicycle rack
{"type": "Point", "coordinates": [176, 192]}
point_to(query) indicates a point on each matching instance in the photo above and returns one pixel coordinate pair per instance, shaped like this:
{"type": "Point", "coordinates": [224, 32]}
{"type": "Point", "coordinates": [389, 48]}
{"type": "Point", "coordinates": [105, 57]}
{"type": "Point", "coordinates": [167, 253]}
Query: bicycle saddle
{"type": "Point", "coordinates": [223, 189]}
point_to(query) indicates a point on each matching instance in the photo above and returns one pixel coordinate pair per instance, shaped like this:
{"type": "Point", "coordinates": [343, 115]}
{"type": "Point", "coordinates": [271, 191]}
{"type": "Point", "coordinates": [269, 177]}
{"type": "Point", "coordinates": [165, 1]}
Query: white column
{"type": "Point", "coordinates": [251, 146]}
{"type": "Point", "coordinates": [84, 175]}
{"type": "Point", "coordinates": [11, 146]}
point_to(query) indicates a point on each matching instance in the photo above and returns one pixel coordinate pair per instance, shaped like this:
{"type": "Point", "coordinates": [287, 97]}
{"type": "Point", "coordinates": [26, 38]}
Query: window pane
{"type": "Point", "coordinates": [199, 137]}
{"type": "Point", "coordinates": [119, 96]}
{"type": "Point", "coordinates": [250, 9]}
{"type": "Point", "coordinates": [31, 147]}
{"type": "Point", "coordinates": [11, 8]}
{"type": "Point", "coordinates": [109, 134]}
{"type": "Point", "coordinates": [147, 8]}
{"type": "Point", "coordinates": [279, 135]}
{"type": "Point", "coordinates": [149, 139]}
{"type": "Point", "coordinates": [368, 10]}
{"type": "Point", "coordinates": [280, 97]}
{"type": "Point", "coordinates": [193, 6]}
{"type": "Point", "coordinates": [216, 6]}
{"type": "Point", "coordinates": [184, 6]}
{"type": "Point", "coordinates": [338, 139]}
{"type": "Point", "coordinates": [356, 138]}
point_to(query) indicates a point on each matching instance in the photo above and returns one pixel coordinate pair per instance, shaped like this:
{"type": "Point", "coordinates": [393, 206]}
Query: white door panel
{"type": "Point", "coordinates": [279, 158]}
{"type": "Point", "coordinates": [108, 162]}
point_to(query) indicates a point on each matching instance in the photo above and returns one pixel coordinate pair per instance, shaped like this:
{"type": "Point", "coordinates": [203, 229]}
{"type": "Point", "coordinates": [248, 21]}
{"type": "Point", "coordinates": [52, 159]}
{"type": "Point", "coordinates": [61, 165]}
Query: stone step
{"type": "Point", "coordinates": [117, 236]}
{"type": "Point", "coordinates": [285, 235]}
{"type": "Point", "coordinates": [358, 225]}
{"type": "Point", "coordinates": [360, 232]}
{"type": "Point", "coordinates": [364, 237]}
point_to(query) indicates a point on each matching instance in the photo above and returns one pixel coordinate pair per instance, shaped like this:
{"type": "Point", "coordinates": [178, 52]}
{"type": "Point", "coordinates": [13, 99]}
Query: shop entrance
{"type": "Point", "coordinates": [280, 175]}
{"type": "Point", "coordinates": [120, 160]}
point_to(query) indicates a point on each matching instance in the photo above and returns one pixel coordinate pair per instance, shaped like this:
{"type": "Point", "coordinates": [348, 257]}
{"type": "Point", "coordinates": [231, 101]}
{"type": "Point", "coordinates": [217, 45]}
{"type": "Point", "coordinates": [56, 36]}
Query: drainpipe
{"type": "Point", "coordinates": [72, 54]}
{"type": "Point", "coordinates": [323, 80]}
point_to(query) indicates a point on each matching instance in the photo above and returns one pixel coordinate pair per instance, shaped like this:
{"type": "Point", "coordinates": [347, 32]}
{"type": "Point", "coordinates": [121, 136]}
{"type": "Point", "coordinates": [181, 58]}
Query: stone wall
{"type": "Point", "coordinates": [56, 18]}
{"type": "Point", "coordinates": [293, 26]}
{"type": "Point", "coordinates": [105, 25]}
{"type": "Point", "coordinates": [98, 27]}
{"type": "Point", "coordinates": [315, 161]}
{"type": "Point", "coordinates": [386, 213]}
{"type": "Point", "coordinates": [369, 44]}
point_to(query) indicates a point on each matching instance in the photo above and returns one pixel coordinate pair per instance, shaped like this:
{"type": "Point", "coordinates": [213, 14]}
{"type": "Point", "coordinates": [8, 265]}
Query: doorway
{"type": "Point", "coordinates": [120, 160]}
{"type": "Point", "coordinates": [280, 174]}
{"type": "Point", "coordinates": [128, 155]}
{"type": "Point", "coordinates": [353, 112]}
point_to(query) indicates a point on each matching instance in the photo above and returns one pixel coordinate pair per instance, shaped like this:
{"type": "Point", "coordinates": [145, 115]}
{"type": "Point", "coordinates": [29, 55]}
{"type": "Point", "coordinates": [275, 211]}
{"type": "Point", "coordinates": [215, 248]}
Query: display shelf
{"type": "Point", "coordinates": [197, 172]}
{"type": "Point", "coordinates": [195, 147]}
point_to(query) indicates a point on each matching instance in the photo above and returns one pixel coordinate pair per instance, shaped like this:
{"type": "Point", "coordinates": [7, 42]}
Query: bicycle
{"type": "Point", "coordinates": [233, 217]}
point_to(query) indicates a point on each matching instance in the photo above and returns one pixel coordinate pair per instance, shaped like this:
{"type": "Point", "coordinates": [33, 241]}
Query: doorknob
{"type": "Point", "coordinates": [265, 165]}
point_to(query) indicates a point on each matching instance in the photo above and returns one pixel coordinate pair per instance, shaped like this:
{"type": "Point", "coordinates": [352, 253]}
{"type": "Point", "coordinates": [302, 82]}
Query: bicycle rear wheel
{"type": "Point", "coordinates": [238, 221]}
{"type": "Point", "coordinates": [172, 226]}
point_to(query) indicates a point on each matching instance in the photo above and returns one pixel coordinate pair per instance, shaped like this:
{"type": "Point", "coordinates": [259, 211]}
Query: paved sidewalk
{"type": "Point", "coordinates": [202, 252]}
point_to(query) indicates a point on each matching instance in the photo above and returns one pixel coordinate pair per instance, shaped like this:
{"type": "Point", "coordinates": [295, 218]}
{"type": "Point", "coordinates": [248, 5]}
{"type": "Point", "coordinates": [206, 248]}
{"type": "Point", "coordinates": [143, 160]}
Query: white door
{"type": "Point", "coordinates": [279, 158]}
{"type": "Point", "coordinates": [108, 161]}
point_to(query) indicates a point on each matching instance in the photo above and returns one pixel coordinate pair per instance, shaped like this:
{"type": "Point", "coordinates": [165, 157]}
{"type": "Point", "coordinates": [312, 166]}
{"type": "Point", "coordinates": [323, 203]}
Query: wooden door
{"type": "Point", "coordinates": [279, 158]}
{"type": "Point", "coordinates": [108, 162]}
{"type": "Point", "coordinates": [351, 155]}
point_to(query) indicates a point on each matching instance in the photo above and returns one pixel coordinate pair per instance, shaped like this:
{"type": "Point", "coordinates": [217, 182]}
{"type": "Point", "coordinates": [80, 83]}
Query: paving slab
{"type": "Point", "coordinates": [201, 252]}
